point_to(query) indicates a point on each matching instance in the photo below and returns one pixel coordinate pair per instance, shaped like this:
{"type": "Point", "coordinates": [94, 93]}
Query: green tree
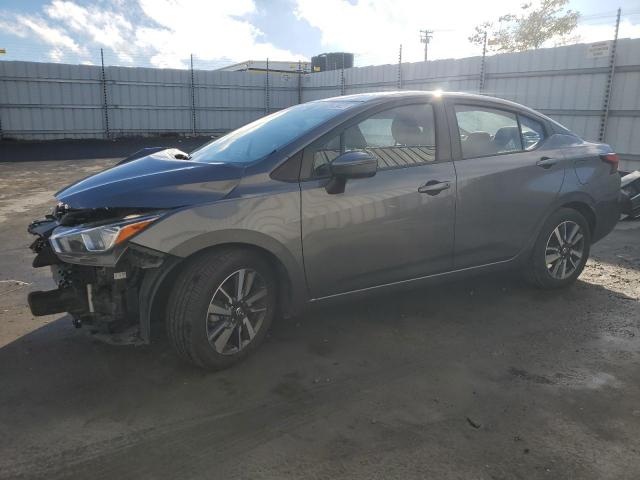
{"type": "Point", "coordinates": [533, 26]}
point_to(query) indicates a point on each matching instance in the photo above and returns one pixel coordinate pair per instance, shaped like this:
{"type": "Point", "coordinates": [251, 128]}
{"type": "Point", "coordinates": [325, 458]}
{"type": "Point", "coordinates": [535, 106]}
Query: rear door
{"type": "Point", "coordinates": [395, 226]}
{"type": "Point", "coordinates": [509, 175]}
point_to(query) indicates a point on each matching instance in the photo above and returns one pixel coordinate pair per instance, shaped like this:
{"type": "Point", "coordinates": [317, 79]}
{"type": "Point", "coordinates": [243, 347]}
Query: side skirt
{"type": "Point", "coordinates": [461, 273]}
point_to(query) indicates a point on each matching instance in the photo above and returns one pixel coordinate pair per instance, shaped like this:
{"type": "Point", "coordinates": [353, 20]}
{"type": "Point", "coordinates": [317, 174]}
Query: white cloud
{"type": "Point", "coordinates": [593, 33]}
{"type": "Point", "coordinates": [373, 29]}
{"type": "Point", "coordinates": [166, 32]}
{"type": "Point", "coordinates": [162, 32]}
{"type": "Point", "coordinates": [55, 54]}
{"type": "Point", "coordinates": [37, 26]}
{"type": "Point", "coordinates": [103, 26]}
{"type": "Point", "coordinates": [209, 30]}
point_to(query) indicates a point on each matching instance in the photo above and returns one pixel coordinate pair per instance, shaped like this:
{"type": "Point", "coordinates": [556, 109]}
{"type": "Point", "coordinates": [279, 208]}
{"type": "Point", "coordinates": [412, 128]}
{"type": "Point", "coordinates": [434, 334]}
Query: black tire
{"type": "Point", "coordinates": [188, 320]}
{"type": "Point", "coordinates": [537, 271]}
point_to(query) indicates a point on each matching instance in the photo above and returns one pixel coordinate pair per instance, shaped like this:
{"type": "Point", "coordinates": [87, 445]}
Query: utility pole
{"type": "Point", "coordinates": [425, 37]}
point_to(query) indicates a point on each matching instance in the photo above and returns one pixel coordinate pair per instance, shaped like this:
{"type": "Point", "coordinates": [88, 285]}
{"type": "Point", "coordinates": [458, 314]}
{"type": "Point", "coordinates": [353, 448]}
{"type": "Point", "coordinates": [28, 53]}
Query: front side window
{"type": "Point", "coordinates": [398, 137]}
{"type": "Point", "coordinates": [532, 132]}
{"type": "Point", "coordinates": [487, 131]}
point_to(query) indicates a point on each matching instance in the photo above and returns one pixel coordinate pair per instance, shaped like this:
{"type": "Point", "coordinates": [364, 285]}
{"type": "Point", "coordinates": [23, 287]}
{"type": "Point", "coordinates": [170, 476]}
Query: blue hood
{"type": "Point", "coordinates": [154, 181]}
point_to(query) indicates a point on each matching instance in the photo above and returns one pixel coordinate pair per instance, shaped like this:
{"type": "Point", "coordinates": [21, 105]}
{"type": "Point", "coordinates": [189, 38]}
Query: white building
{"type": "Point", "coordinates": [260, 66]}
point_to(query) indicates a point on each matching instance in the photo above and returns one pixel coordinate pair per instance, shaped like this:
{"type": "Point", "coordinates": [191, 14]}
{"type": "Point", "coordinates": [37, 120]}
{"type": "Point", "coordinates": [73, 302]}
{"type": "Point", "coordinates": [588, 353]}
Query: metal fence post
{"type": "Point", "coordinates": [266, 91]}
{"type": "Point", "coordinates": [342, 89]}
{"type": "Point", "coordinates": [400, 68]}
{"type": "Point", "coordinates": [105, 105]}
{"type": "Point", "coordinates": [193, 100]}
{"type": "Point", "coordinates": [299, 81]}
{"type": "Point", "coordinates": [483, 65]}
{"type": "Point", "coordinates": [1, 133]}
{"type": "Point", "coordinates": [604, 117]}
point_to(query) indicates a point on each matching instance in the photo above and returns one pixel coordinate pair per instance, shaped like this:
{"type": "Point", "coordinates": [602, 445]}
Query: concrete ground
{"type": "Point", "coordinates": [481, 379]}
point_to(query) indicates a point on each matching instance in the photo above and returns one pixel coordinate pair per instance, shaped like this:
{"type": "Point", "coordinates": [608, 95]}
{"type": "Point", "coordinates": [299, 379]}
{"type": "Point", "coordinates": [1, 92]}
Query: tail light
{"type": "Point", "coordinates": [611, 159]}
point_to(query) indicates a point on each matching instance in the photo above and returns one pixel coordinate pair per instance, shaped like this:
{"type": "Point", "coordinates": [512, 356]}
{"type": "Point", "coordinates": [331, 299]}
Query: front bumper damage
{"type": "Point", "coordinates": [115, 301]}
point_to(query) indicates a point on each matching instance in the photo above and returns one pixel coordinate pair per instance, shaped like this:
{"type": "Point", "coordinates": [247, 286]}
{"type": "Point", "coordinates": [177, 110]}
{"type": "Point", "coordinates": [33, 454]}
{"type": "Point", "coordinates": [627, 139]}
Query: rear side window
{"type": "Point", "coordinates": [532, 132]}
{"type": "Point", "coordinates": [398, 137]}
{"type": "Point", "coordinates": [487, 131]}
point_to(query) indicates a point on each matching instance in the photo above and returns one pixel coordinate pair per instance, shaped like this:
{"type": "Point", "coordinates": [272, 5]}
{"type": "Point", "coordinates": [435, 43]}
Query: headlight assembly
{"type": "Point", "coordinates": [83, 240]}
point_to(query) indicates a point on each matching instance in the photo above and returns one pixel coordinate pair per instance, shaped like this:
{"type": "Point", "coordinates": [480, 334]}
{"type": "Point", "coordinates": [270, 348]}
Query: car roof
{"type": "Point", "coordinates": [388, 95]}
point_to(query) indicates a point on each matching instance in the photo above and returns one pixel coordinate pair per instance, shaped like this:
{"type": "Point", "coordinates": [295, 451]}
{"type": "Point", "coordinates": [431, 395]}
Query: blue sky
{"type": "Point", "coordinates": [165, 32]}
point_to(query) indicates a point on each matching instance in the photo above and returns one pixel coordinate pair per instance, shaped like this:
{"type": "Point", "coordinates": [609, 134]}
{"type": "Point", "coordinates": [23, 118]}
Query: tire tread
{"type": "Point", "coordinates": [178, 328]}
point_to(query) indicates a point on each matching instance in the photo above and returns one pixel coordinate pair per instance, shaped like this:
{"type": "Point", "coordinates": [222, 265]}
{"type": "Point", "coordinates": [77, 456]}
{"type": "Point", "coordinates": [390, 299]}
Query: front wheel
{"type": "Point", "coordinates": [561, 250]}
{"type": "Point", "coordinates": [221, 307]}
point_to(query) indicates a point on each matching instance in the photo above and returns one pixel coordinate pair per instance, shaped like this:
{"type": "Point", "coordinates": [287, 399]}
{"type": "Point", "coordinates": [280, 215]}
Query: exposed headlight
{"type": "Point", "coordinates": [98, 239]}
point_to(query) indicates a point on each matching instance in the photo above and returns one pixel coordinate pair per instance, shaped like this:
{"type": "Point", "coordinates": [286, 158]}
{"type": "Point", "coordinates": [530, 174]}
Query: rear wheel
{"type": "Point", "coordinates": [561, 250]}
{"type": "Point", "coordinates": [221, 307]}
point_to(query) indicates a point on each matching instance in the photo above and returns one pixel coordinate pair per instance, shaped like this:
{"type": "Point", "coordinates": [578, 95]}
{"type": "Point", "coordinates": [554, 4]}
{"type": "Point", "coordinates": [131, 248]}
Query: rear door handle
{"type": "Point", "coordinates": [546, 162]}
{"type": "Point", "coordinates": [434, 187]}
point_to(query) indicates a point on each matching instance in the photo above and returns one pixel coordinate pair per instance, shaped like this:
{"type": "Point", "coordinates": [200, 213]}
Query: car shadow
{"type": "Point", "coordinates": [58, 357]}
{"type": "Point", "coordinates": [106, 398]}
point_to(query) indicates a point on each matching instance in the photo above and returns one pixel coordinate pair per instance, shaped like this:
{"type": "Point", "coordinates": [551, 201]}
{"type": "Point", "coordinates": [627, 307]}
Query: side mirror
{"type": "Point", "coordinates": [356, 164]}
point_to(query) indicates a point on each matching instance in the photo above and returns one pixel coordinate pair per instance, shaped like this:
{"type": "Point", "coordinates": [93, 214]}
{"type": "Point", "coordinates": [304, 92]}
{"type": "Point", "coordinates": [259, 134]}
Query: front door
{"type": "Point", "coordinates": [395, 226]}
{"type": "Point", "coordinates": [509, 174]}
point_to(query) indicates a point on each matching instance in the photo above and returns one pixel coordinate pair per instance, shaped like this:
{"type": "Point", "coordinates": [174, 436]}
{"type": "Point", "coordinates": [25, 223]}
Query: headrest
{"type": "Point", "coordinates": [505, 135]}
{"type": "Point", "coordinates": [406, 131]}
{"type": "Point", "coordinates": [478, 136]}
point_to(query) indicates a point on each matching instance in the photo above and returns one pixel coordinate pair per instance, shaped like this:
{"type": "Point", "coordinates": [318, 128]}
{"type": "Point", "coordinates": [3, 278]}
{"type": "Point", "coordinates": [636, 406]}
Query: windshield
{"type": "Point", "coordinates": [268, 134]}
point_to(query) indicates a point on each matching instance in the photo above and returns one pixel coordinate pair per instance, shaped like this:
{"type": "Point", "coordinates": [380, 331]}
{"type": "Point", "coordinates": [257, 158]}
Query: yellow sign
{"type": "Point", "coordinates": [2, 50]}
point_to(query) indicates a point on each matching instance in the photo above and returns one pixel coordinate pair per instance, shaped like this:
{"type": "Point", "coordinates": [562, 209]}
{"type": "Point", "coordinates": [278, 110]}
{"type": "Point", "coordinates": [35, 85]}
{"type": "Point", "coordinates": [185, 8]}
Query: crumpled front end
{"type": "Point", "coordinates": [111, 292]}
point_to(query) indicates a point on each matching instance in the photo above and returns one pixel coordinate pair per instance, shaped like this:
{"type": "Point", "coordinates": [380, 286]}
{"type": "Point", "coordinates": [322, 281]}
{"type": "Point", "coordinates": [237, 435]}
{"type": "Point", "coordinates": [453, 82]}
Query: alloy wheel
{"type": "Point", "coordinates": [564, 251]}
{"type": "Point", "coordinates": [236, 311]}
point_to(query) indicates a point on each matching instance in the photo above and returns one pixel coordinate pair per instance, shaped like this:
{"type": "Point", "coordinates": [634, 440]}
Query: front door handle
{"type": "Point", "coordinates": [434, 187]}
{"type": "Point", "coordinates": [546, 162]}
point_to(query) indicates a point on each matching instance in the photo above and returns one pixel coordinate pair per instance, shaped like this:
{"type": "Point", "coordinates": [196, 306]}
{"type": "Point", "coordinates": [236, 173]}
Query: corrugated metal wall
{"type": "Point", "coordinates": [42, 101]}
{"type": "Point", "coordinates": [48, 101]}
{"type": "Point", "coordinates": [45, 101]}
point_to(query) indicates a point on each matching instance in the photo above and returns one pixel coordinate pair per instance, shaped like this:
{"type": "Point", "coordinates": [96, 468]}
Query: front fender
{"type": "Point", "coordinates": [244, 237]}
{"type": "Point", "coordinates": [270, 223]}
